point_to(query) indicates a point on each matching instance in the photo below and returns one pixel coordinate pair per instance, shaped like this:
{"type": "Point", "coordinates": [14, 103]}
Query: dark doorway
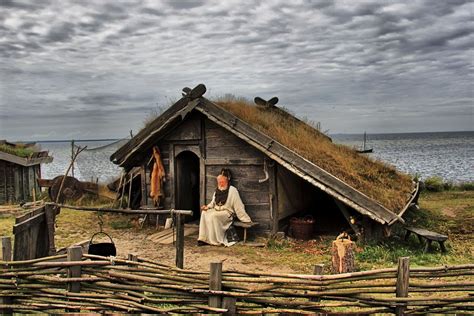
{"type": "Point", "coordinates": [187, 183]}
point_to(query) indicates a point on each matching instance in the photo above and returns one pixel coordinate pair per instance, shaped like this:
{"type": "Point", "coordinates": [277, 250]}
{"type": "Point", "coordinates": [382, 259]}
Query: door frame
{"type": "Point", "coordinates": [196, 149]}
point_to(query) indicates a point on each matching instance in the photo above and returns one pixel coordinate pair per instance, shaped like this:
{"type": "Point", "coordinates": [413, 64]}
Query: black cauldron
{"type": "Point", "coordinates": [104, 249]}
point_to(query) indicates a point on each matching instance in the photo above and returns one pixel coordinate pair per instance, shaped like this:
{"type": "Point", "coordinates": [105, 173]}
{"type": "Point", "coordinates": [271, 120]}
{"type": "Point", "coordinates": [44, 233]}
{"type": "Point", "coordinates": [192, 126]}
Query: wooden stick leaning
{"type": "Point", "coordinates": [73, 159]}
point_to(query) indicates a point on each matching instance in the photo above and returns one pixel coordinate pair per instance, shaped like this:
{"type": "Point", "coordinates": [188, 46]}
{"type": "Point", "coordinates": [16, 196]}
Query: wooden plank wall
{"type": "Point", "coordinates": [223, 149]}
{"type": "Point", "coordinates": [3, 182]}
{"type": "Point", "coordinates": [218, 148]}
{"type": "Point", "coordinates": [17, 182]}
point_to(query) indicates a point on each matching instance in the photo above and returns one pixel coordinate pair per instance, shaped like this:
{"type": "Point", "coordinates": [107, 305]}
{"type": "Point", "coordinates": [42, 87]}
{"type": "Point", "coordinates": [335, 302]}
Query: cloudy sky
{"type": "Point", "coordinates": [73, 69]}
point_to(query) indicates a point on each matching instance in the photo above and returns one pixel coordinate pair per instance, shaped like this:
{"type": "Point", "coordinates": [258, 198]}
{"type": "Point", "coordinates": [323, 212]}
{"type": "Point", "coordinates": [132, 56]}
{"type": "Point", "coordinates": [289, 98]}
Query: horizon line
{"type": "Point", "coordinates": [338, 133]}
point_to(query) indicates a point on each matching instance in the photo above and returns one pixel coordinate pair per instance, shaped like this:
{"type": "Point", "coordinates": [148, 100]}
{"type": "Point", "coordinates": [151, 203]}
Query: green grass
{"type": "Point", "coordinates": [450, 213]}
{"type": "Point", "coordinates": [19, 151]}
{"type": "Point", "coordinates": [6, 225]}
{"type": "Point", "coordinates": [438, 184]}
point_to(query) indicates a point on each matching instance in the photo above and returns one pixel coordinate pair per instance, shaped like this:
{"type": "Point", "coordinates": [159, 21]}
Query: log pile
{"type": "Point", "coordinates": [136, 285]}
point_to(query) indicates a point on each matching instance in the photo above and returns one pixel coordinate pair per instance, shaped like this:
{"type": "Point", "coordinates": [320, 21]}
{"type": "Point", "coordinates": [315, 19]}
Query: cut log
{"type": "Point", "coordinates": [343, 259]}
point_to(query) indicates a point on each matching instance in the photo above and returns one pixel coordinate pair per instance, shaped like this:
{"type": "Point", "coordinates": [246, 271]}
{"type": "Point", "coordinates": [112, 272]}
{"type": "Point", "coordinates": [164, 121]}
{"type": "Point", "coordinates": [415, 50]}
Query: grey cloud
{"type": "Point", "coordinates": [182, 5]}
{"type": "Point", "coordinates": [110, 99]}
{"type": "Point", "coordinates": [100, 61]}
{"type": "Point", "coordinates": [25, 5]}
{"type": "Point", "coordinates": [61, 32]}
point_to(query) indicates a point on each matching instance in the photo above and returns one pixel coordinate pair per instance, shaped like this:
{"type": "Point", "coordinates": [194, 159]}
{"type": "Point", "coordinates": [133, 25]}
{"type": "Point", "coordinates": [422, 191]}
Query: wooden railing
{"type": "Point", "coordinates": [82, 282]}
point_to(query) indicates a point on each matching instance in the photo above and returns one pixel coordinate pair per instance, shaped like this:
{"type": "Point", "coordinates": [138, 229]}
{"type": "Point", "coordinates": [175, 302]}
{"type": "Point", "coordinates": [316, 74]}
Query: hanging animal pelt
{"type": "Point", "coordinates": [157, 177]}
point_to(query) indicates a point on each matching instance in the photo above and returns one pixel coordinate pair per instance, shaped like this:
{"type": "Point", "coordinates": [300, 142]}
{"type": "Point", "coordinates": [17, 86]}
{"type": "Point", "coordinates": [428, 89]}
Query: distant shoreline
{"type": "Point", "coordinates": [75, 140]}
{"type": "Point", "coordinates": [330, 134]}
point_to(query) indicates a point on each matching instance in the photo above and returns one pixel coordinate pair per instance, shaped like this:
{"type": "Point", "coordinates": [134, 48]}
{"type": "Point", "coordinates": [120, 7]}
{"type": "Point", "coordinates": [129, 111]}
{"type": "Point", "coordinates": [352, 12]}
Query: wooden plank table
{"type": "Point", "coordinates": [428, 235]}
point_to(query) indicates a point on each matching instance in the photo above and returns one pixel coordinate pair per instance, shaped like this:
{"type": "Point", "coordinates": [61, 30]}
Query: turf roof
{"type": "Point", "coordinates": [376, 179]}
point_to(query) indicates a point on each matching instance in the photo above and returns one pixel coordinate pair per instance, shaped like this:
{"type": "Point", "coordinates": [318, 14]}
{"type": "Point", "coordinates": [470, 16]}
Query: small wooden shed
{"type": "Point", "coordinates": [20, 167]}
{"type": "Point", "coordinates": [276, 178]}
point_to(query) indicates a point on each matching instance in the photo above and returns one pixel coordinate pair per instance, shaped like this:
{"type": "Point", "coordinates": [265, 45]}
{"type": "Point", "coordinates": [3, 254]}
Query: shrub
{"type": "Point", "coordinates": [434, 184]}
{"type": "Point", "coordinates": [466, 186]}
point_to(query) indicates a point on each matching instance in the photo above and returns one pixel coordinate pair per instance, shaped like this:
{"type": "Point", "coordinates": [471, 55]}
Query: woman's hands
{"type": "Point", "coordinates": [204, 208]}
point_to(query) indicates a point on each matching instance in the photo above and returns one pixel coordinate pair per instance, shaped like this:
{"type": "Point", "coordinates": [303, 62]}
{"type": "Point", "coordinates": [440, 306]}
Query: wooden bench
{"type": "Point", "coordinates": [245, 226]}
{"type": "Point", "coordinates": [428, 235]}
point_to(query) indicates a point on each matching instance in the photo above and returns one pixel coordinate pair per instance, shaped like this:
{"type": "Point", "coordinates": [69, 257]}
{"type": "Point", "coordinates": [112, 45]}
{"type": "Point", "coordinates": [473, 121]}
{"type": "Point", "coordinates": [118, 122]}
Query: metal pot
{"type": "Point", "coordinates": [104, 249]}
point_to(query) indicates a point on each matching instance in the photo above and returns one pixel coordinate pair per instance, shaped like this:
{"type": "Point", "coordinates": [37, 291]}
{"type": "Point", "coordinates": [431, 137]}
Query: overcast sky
{"type": "Point", "coordinates": [96, 69]}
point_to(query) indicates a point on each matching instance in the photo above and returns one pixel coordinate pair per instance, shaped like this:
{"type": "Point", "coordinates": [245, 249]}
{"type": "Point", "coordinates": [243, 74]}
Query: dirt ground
{"type": "Point", "coordinates": [130, 238]}
{"type": "Point", "coordinates": [449, 213]}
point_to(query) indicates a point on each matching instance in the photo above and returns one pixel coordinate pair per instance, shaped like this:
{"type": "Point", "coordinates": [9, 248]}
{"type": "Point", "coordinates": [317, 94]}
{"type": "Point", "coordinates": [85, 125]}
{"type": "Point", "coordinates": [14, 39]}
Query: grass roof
{"type": "Point", "coordinates": [374, 178]}
{"type": "Point", "coordinates": [18, 150]}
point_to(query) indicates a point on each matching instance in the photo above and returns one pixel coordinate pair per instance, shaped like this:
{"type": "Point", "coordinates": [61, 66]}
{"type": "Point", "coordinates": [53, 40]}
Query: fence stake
{"type": "Point", "coordinates": [132, 257]}
{"type": "Point", "coordinates": [318, 270]}
{"type": "Point", "coordinates": [6, 256]}
{"type": "Point", "coordinates": [229, 304]}
{"type": "Point", "coordinates": [50, 214]}
{"type": "Point", "coordinates": [74, 253]}
{"type": "Point", "coordinates": [215, 283]}
{"type": "Point", "coordinates": [403, 279]}
{"type": "Point", "coordinates": [6, 249]}
{"type": "Point", "coordinates": [179, 241]}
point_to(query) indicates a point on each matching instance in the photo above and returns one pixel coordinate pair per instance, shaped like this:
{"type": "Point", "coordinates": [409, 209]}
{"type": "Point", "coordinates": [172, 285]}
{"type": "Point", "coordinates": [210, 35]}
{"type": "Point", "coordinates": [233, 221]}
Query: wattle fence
{"type": "Point", "coordinates": [80, 282]}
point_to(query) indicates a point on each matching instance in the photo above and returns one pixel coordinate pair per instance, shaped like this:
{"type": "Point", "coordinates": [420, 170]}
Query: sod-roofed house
{"type": "Point", "coordinates": [281, 166]}
{"type": "Point", "coordinates": [20, 167]}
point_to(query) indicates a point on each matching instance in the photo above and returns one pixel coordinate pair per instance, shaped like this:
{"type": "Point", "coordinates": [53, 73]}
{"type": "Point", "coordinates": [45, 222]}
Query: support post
{"type": "Point", "coordinates": [74, 253]}
{"type": "Point", "coordinates": [318, 270]}
{"type": "Point", "coordinates": [6, 256]}
{"type": "Point", "coordinates": [179, 241]}
{"type": "Point", "coordinates": [50, 214]}
{"type": "Point", "coordinates": [229, 304]}
{"type": "Point", "coordinates": [215, 283]}
{"type": "Point", "coordinates": [347, 216]}
{"type": "Point", "coordinates": [6, 249]}
{"type": "Point", "coordinates": [130, 191]}
{"type": "Point", "coordinates": [403, 279]}
{"type": "Point", "coordinates": [132, 257]}
{"type": "Point", "coordinates": [72, 157]}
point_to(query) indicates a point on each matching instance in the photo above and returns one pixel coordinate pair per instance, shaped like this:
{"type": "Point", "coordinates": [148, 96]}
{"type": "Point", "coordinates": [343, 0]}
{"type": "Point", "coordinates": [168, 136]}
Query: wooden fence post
{"type": "Point", "coordinates": [179, 241]}
{"type": "Point", "coordinates": [6, 256]}
{"type": "Point", "coordinates": [74, 253]}
{"type": "Point", "coordinates": [132, 257]}
{"type": "Point", "coordinates": [6, 249]}
{"type": "Point", "coordinates": [403, 280]}
{"type": "Point", "coordinates": [229, 304]}
{"type": "Point", "coordinates": [318, 270]}
{"type": "Point", "coordinates": [215, 283]}
{"type": "Point", "coordinates": [50, 214]}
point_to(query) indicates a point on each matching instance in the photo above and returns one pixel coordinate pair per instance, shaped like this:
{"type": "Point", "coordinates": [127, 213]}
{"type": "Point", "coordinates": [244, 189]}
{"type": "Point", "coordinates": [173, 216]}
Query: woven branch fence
{"type": "Point", "coordinates": [77, 282]}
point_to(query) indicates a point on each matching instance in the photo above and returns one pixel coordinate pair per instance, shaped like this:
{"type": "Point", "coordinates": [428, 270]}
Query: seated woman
{"type": "Point", "coordinates": [217, 216]}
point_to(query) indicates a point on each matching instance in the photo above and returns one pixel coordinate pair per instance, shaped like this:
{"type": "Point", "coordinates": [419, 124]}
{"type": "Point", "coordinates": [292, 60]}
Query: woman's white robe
{"type": "Point", "coordinates": [217, 219]}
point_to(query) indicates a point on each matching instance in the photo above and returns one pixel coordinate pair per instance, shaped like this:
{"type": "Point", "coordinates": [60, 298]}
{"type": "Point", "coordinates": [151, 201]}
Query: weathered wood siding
{"type": "Point", "coordinates": [17, 182]}
{"type": "Point", "coordinates": [225, 150]}
{"type": "Point", "coordinates": [188, 132]}
{"type": "Point", "coordinates": [216, 149]}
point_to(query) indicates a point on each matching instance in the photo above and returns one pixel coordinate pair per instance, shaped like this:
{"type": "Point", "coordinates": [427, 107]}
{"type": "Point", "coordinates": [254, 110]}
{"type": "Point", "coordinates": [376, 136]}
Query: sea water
{"type": "Point", "coordinates": [449, 155]}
